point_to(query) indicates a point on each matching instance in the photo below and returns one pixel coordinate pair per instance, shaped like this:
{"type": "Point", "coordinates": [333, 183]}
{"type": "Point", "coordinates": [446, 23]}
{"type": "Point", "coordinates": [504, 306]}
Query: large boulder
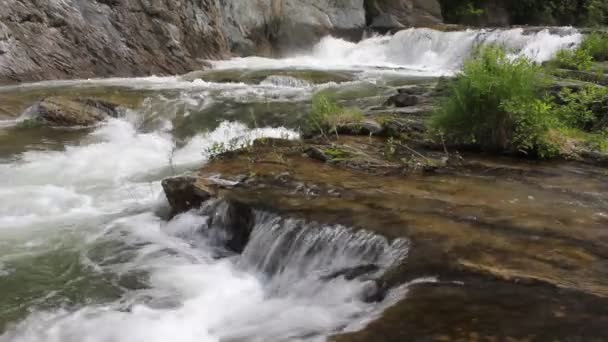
{"type": "Point", "coordinates": [66, 112]}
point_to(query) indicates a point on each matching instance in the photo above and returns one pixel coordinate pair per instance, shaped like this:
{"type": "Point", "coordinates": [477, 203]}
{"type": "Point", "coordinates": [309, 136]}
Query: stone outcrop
{"type": "Point", "coordinates": [96, 38]}
{"type": "Point", "coordinates": [66, 112]}
{"type": "Point", "coordinates": [390, 15]}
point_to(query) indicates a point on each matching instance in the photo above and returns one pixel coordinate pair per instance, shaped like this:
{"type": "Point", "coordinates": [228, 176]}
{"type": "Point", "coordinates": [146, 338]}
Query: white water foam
{"type": "Point", "coordinates": [190, 295]}
{"type": "Point", "coordinates": [418, 51]}
{"type": "Point", "coordinates": [193, 297]}
{"type": "Point", "coordinates": [106, 173]}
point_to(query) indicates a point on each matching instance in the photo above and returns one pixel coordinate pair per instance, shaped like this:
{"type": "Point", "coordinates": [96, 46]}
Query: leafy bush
{"type": "Point", "coordinates": [532, 12]}
{"type": "Point", "coordinates": [586, 109]}
{"type": "Point", "coordinates": [578, 59]}
{"type": "Point", "coordinates": [596, 45]}
{"type": "Point", "coordinates": [496, 103]}
{"type": "Point", "coordinates": [593, 48]}
{"type": "Point", "coordinates": [327, 115]}
{"type": "Point", "coordinates": [597, 13]}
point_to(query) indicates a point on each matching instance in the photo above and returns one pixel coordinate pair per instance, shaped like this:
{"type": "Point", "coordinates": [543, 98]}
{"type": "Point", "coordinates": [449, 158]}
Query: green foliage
{"type": "Point", "coordinates": [327, 115]}
{"type": "Point", "coordinates": [578, 59]}
{"type": "Point", "coordinates": [596, 45]}
{"type": "Point", "coordinates": [496, 103]}
{"type": "Point", "coordinates": [597, 13]}
{"type": "Point", "coordinates": [597, 141]}
{"type": "Point", "coordinates": [336, 154]}
{"type": "Point", "coordinates": [532, 12]}
{"type": "Point", "coordinates": [585, 109]}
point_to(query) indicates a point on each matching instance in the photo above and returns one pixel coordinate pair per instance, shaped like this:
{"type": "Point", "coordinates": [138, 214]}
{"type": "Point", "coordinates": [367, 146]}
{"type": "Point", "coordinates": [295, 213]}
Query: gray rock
{"type": "Point", "coordinates": [395, 14]}
{"type": "Point", "coordinates": [365, 127]}
{"type": "Point", "coordinates": [402, 100]}
{"type": "Point", "coordinates": [77, 38]}
{"type": "Point", "coordinates": [66, 112]}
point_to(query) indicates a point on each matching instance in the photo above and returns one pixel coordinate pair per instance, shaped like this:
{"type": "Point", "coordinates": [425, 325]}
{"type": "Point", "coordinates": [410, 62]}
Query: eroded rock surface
{"type": "Point", "coordinates": [531, 257]}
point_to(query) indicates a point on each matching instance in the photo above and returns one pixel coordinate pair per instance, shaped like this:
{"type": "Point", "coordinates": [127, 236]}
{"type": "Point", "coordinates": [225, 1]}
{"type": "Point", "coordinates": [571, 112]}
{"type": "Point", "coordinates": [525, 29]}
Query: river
{"type": "Point", "coordinates": [86, 256]}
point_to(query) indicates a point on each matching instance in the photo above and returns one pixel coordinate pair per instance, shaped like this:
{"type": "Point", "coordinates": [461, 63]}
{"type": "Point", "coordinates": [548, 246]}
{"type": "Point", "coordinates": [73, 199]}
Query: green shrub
{"type": "Point", "coordinates": [597, 13]}
{"type": "Point", "coordinates": [578, 59]}
{"type": "Point", "coordinates": [584, 109]}
{"type": "Point", "coordinates": [327, 115]}
{"type": "Point", "coordinates": [596, 45]}
{"type": "Point", "coordinates": [496, 103]}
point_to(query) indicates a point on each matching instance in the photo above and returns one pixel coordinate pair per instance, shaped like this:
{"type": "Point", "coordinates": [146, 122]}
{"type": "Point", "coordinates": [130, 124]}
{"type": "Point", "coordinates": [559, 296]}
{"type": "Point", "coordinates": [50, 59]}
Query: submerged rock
{"type": "Point", "coordinates": [285, 81]}
{"type": "Point", "coordinates": [60, 111]}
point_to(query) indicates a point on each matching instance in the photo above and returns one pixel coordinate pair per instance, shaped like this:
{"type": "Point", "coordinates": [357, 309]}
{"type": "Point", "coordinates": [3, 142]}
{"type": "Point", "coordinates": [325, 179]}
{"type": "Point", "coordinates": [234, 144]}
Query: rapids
{"type": "Point", "coordinates": [84, 257]}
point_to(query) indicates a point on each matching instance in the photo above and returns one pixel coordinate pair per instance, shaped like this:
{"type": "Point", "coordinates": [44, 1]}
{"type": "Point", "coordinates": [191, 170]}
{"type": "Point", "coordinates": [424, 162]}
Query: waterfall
{"type": "Point", "coordinates": [419, 50]}
{"type": "Point", "coordinates": [294, 255]}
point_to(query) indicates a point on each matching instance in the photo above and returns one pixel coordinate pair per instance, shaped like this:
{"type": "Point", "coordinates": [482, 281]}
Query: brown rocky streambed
{"type": "Point", "coordinates": [518, 248]}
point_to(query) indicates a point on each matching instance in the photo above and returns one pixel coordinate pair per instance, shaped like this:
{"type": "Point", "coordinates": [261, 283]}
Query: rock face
{"type": "Point", "coordinates": [65, 112]}
{"type": "Point", "coordinates": [96, 38]}
{"type": "Point", "coordinates": [385, 15]}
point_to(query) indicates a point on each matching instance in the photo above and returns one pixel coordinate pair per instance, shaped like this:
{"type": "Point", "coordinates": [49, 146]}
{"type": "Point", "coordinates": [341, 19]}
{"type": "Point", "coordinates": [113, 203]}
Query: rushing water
{"type": "Point", "coordinates": [85, 258]}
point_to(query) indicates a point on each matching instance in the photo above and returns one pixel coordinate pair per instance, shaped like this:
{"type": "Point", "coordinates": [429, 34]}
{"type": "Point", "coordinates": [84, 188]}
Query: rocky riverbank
{"type": "Point", "coordinates": [499, 262]}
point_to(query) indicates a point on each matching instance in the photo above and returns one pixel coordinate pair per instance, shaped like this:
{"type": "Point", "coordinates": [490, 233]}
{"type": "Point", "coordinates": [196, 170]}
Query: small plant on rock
{"type": "Point", "coordinates": [327, 115]}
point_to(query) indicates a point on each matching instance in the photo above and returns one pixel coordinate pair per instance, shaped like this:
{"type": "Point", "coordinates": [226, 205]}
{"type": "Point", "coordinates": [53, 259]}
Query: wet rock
{"type": "Point", "coordinates": [184, 194]}
{"type": "Point", "coordinates": [232, 222]}
{"type": "Point", "coordinates": [364, 127]}
{"type": "Point", "coordinates": [374, 292]}
{"type": "Point", "coordinates": [59, 111]}
{"type": "Point", "coordinates": [414, 90]}
{"type": "Point", "coordinates": [317, 154]}
{"type": "Point", "coordinates": [351, 273]}
{"type": "Point", "coordinates": [402, 100]}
